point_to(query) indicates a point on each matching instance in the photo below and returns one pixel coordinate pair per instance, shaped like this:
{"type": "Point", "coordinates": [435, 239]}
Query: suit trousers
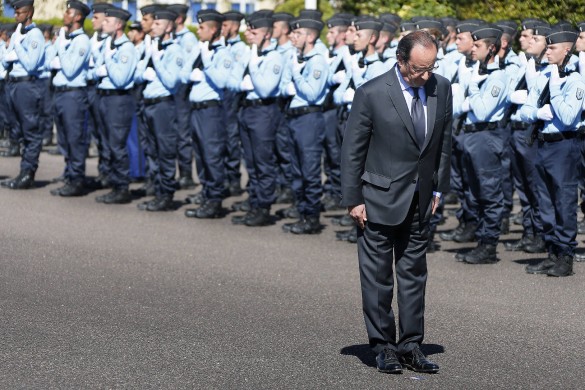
{"type": "Point", "coordinates": [379, 248]}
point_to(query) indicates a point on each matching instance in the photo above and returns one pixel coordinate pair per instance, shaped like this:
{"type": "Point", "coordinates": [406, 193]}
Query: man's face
{"type": "Point", "coordinates": [335, 36]}
{"type": "Point", "coordinates": [419, 68]}
{"type": "Point", "coordinates": [300, 37]}
{"type": "Point", "coordinates": [480, 50]}
{"type": "Point", "coordinates": [580, 45]}
{"type": "Point", "coordinates": [146, 23]}
{"type": "Point", "coordinates": [537, 45]}
{"type": "Point", "coordinates": [22, 14]}
{"type": "Point", "coordinates": [110, 24]}
{"type": "Point", "coordinates": [464, 43]}
{"type": "Point", "coordinates": [160, 27]}
{"type": "Point", "coordinates": [279, 28]}
{"type": "Point", "coordinates": [97, 20]}
{"type": "Point", "coordinates": [350, 35]}
{"type": "Point", "coordinates": [556, 52]}
{"type": "Point", "coordinates": [257, 35]}
{"type": "Point", "coordinates": [206, 31]}
{"type": "Point", "coordinates": [229, 28]}
{"type": "Point", "coordinates": [68, 17]}
{"type": "Point", "coordinates": [383, 41]}
{"type": "Point", "coordinates": [525, 38]}
{"type": "Point", "coordinates": [362, 39]}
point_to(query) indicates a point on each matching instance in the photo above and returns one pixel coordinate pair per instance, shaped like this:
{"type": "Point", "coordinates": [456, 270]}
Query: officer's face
{"type": "Point", "coordinates": [480, 50]}
{"type": "Point", "coordinates": [556, 52]}
{"type": "Point", "coordinates": [464, 43]}
{"type": "Point", "coordinates": [382, 41]}
{"type": "Point", "coordinates": [580, 45]}
{"type": "Point", "coordinates": [279, 28]}
{"type": "Point", "coordinates": [206, 31]}
{"type": "Point", "coordinates": [362, 39]}
{"type": "Point", "coordinates": [229, 28]}
{"type": "Point", "coordinates": [350, 35]}
{"type": "Point", "coordinates": [537, 45]}
{"type": "Point", "coordinates": [525, 38]}
{"type": "Point", "coordinates": [335, 36]}
{"type": "Point", "coordinates": [419, 68]}
{"type": "Point", "coordinates": [146, 23]}
{"type": "Point", "coordinates": [110, 24]}
{"type": "Point", "coordinates": [97, 20]}
{"type": "Point", "coordinates": [160, 27]}
{"type": "Point", "coordinates": [68, 17]}
{"type": "Point", "coordinates": [256, 36]}
{"type": "Point", "coordinates": [22, 14]}
{"type": "Point", "coordinates": [300, 37]}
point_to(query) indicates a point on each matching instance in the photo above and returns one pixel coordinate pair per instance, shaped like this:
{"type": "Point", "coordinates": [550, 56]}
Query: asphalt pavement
{"type": "Point", "coordinates": [107, 296]}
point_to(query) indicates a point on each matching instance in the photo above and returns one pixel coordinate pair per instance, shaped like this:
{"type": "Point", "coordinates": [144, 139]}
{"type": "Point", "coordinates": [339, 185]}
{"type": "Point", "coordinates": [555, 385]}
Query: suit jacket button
{"type": "Point", "coordinates": [414, 182]}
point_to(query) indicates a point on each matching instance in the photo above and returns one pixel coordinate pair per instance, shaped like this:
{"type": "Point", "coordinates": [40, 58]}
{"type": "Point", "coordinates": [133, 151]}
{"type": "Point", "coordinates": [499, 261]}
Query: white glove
{"type": "Point", "coordinates": [330, 60]}
{"type": "Point", "coordinates": [56, 63]}
{"type": "Point", "coordinates": [555, 79]}
{"type": "Point", "coordinates": [102, 71]}
{"type": "Point", "coordinates": [519, 97]}
{"type": "Point", "coordinates": [475, 76]}
{"type": "Point", "coordinates": [298, 66]}
{"type": "Point", "coordinates": [522, 58]}
{"type": "Point", "coordinates": [156, 53]}
{"type": "Point", "coordinates": [3, 74]}
{"type": "Point", "coordinates": [17, 37]}
{"type": "Point", "coordinates": [95, 44]}
{"type": "Point", "coordinates": [246, 84]}
{"type": "Point", "coordinates": [338, 77]}
{"type": "Point", "coordinates": [456, 89]}
{"type": "Point", "coordinates": [63, 43]}
{"type": "Point", "coordinates": [347, 58]}
{"type": "Point", "coordinates": [254, 58]}
{"type": "Point", "coordinates": [149, 74]}
{"type": "Point", "coordinates": [147, 45]}
{"type": "Point", "coordinates": [462, 70]}
{"type": "Point", "coordinates": [290, 89]}
{"type": "Point", "coordinates": [196, 75]}
{"type": "Point", "coordinates": [91, 62]}
{"type": "Point", "coordinates": [348, 95]}
{"type": "Point", "coordinates": [465, 105]}
{"type": "Point", "coordinates": [109, 53]}
{"type": "Point", "coordinates": [10, 57]}
{"type": "Point", "coordinates": [544, 113]}
{"type": "Point", "coordinates": [582, 63]}
{"type": "Point", "coordinates": [355, 67]}
{"type": "Point", "coordinates": [531, 72]}
{"type": "Point", "coordinates": [205, 54]}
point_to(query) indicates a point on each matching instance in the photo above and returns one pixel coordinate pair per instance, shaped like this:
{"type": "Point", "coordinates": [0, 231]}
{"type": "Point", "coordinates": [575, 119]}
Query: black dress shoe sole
{"type": "Point", "coordinates": [396, 371]}
{"type": "Point", "coordinates": [424, 371]}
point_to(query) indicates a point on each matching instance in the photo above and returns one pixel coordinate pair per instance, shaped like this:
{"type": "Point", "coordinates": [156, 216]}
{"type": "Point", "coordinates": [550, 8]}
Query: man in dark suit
{"type": "Point", "coordinates": [395, 164]}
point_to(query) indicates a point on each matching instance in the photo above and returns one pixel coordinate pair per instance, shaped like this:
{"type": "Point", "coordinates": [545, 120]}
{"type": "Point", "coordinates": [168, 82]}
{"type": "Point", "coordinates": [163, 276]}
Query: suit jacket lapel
{"type": "Point", "coordinates": [397, 97]}
{"type": "Point", "coordinates": [431, 92]}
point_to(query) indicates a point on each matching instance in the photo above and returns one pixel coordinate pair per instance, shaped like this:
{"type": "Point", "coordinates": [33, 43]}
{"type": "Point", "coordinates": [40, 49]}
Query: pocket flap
{"type": "Point", "coordinates": [376, 179]}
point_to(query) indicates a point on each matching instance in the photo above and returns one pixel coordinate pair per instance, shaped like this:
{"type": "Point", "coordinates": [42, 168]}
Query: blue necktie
{"type": "Point", "coordinates": [418, 118]}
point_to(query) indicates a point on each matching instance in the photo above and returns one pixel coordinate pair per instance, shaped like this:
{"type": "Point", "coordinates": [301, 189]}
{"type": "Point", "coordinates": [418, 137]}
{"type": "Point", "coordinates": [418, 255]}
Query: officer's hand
{"type": "Point", "coordinates": [95, 44]}
{"type": "Point", "coordinates": [355, 67]}
{"type": "Point", "coordinates": [147, 45]}
{"type": "Point", "coordinates": [63, 43]}
{"type": "Point", "coordinates": [246, 84]}
{"type": "Point", "coordinates": [56, 63]}
{"type": "Point", "coordinates": [476, 78]}
{"type": "Point", "coordinates": [156, 53]}
{"type": "Point", "coordinates": [545, 113]}
{"type": "Point", "coordinates": [465, 107]}
{"type": "Point", "coordinates": [17, 37]}
{"type": "Point", "coordinates": [196, 75]}
{"type": "Point", "coordinates": [555, 79]}
{"type": "Point", "coordinates": [523, 60]}
{"type": "Point", "coordinates": [582, 63]}
{"type": "Point", "coordinates": [338, 77]}
{"type": "Point", "coordinates": [206, 53]}
{"type": "Point", "coordinates": [109, 53]}
{"type": "Point", "coordinates": [347, 57]}
{"type": "Point", "coordinates": [291, 89]}
{"type": "Point", "coordinates": [297, 65]}
{"type": "Point", "coordinates": [11, 57]}
{"type": "Point", "coordinates": [436, 201]}
{"type": "Point", "coordinates": [254, 59]}
{"type": "Point", "coordinates": [348, 95]}
{"type": "Point", "coordinates": [519, 97]}
{"type": "Point", "coordinates": [330, 60]}
{"type": "Point", "coordinates": [531, 72]}
{"type": "Point", "coordinates": [358, 213]}
{"type": "Point", "coordinates": [462, 70]}
{"type": "Point", "coordinates": [102, 71]}
{"type": "Point", "coordinates": [456, 89]}
{"type": "Point", "coordinates": [149, 74]}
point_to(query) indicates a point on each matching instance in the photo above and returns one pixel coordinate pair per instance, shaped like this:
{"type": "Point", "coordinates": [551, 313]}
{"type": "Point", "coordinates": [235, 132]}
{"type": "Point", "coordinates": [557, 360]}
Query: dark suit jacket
{"type": "Point", "coordinates": [381, 161]}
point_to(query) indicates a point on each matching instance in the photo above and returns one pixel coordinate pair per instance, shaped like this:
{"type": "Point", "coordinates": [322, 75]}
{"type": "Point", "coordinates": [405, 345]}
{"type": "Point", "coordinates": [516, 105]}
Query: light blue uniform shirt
{"type": "Point", "coordinates": [167, 68]}
{"type": "Point", "coordinates": [311, 81]}
{"type": "Point", "coordinates": [266, 74]}
{"type": "Point", "coordinates": [30, 53]}
{"type": "Point", "coordinates": [190, 46]}
{"type": "Point", "coordinates": [240, 56]}
{"type": "Point", "coordinates": [288, 52]}
{"type": "Point", "coordinates": [521, 73]}
{"type": "Point", "coordinates": [566, 103]}
{"type": "Point", "coordinates": [374, 68]}
{"type": "Point", "coordinates": [488, 102]}
{"type": "Point", "coordinates": [120, 66]}
{"type": "Point", "coordinates": [214, 76]}
{"type": "Point", "coordinates": [50, 53]}
{"type": "Point", "coordinates": [321, 48]}
{"type": "Point", "coordinates": [74, 59]}
{"type": "Point", "coordinates": [95, 58]}
{"type": "Point", "coordinates": [2, 54]}
{"type": "Point", "coordinates": [336, 63]}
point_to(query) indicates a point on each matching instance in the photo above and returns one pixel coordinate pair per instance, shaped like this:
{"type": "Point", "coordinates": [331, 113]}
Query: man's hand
{"type": "Point", "coordinates": [358, 213]}
{"type": "Point", "coordinates": [436, 200]}
{"type": "Point", "coordinates": [206, 53]}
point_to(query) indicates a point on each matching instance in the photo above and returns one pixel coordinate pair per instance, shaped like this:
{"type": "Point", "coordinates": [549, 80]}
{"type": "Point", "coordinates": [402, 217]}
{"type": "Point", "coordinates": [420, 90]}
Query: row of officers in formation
{"type": "Point", "coordinates": [280, 101]}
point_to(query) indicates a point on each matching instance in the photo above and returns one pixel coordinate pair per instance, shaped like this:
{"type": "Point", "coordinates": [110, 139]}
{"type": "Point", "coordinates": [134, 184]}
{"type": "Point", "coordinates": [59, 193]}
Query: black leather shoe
{"type": "Point", "coordinates": [517, 218]}
{"type": "Point", "coordinates": [144, 205]}
{"type": "Point", "coordinates": [563, 266]}
{"type": "Point", "coordinates": [343, 235]}
{"type": "Point", "coordinates": [208, 210]}
{"type": "Point", "coordinates": [482, 254]}
{"type": "Point", "coordinates": [289, 212]}
{"type": "Point", "coordinates": [287, 227]}
{"type": "Point", "coordinates": [543, 266]}
{"type": "Point", "coordinates": [72, 189]}
{"type": "Point", "coordinates": [12, 151]}
{"type": "Point", "coordinates": [505, 226]}
{"type": "Point", "coordinates": [467, 234]}
{"type": "Point", "coordinates": [161, 203]}
{"type": "Point", "coordinates": [450, 234]}
{"type": "Point", "coordinates": [197, 198]}
{"type": "Point", "coordinates": [416, 361]}
{"type": "Point", "coordinates": [286, 196]}
{"type": "Point", "coordinates": [432, 247]}
{"type": "Point", "coordinates": [23, 181]}
{"type": "Point", "coordinates": [243, 205]}
{"type": "Point", "coordinates": [260, 218]}
{"type": "Point", "coordinates": [536, 246]}
{"type": "Point", "coordinates": [344, 220]}
{"type": "Point", "coordinates": [118, 196]}
{"type": "Point", "coordinates": [241, 219]}
{"type": "Point", "coordinates": [519, 245]}
{"type": "Point", "coordinates": [387, 362]}
{"type": "Point", "coordinates": [310, 225]}
{"type": "Point", "coordinates": [186, 182]}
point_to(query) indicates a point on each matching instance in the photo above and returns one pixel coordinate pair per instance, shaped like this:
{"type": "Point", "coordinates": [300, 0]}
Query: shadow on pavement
{"type": "Point", "coordinates": [367, 356]}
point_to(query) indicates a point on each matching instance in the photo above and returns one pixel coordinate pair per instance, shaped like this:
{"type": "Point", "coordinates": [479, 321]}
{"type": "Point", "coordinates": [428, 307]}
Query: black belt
{"type": "Point", "coordinates": [517, 125]}
{"type": "Point", "coordinates": [91, 82]}
{"type": "Point", "coordinates": [22, 78]}
{"type": "Point", "coordinates": [150, 102]}
{"type": "Point", "coordinates": [298, 111]}
{"type": "Point", "coordinates": [204, 104]}
{"type": "Point", "coordinates": [556, 137]}
{"type": "Point", "coordinates": [258, 102]}
{"type": "Point", "coordinates": [67, 89]}
{"type": "Point", "coordinates": [581, 132]}
{"type": "Point", "coordinates": [481, 126]}
{"type": "Point", "coordinates": [113, 92]}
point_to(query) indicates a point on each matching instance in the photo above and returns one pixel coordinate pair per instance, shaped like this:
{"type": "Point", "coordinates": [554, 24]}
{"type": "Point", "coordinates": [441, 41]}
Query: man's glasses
{"type": "Point", "coordinates": [415, 70]}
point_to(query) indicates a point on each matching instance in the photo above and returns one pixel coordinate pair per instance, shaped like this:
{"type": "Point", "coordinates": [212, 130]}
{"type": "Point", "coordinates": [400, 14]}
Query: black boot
{"type": "Point", "coordinates": [331, 202]}
{"type": "Point", "coordinates": [432, 246]}
{"type": "Point", "coordinates": [563, 266]}
{"type": "Point", "coordinates": [517, 218]}
{"type": "Point", "coordinates": [450, 234]}
{"type": "Point", "coordinates": [536, 246]}
{"type": "Point", "coordinates": [12, 151]}
{"type": "Point", "coordinates": [235, 189]}
{"type": "Point", "coordinates": [581, 226]}
{"type": "Point", "coordinates": [289, 212]}
{"type": "Point", "coordinates": [260, 218]}
{"type": "Point", "coordinates": [482, 254]}
{"type": "Point", "coordinates": [519, 245]}
{"type": "Point", "coordinates": [118, 196]}
{"type": "Point", "coordinates": [241, 219]}
{"type": "Point", "coordinates": [197, 198]}
{"type": "Point", "coordinates": [23, 181]}
{"type": "Point", "coordinates": [353, 235]}
{"type": "Point", "coordinates": [286, 196]}
{"type": "Point", "coordinates": [451, 198]}
{"type": "Point", "coordinates": [186, 181]}
{"type": "Point", "coordinates": [310, 225]}
{"type": "Point", "coordinates": [243, 205]}
{"type": "Point", "coordinates": [467, 234]}
{"type": "Point", "coordinates": [544, 266]}
{"type": "Point", "coordinates": [75, 188]}
{"type": "Point", "coordinates": [161, 203]}
{"type": "Point", "coordinates": [505, 226]}
{"type": "Point", "coordinates": [344, 220]}
{"type": "Point", "coordinates": [208, 210]}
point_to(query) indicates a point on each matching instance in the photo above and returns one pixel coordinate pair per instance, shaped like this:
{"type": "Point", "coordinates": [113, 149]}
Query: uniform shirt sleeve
{"type": "Point", "coordinates": [566, 100]}
{"type": "Point", "coordinates": [168, 67]}
{"type": "Point", "coordinates": [219, 66]}
{"type": "Point", "coordinates": [31, 51]}
{"type": "Point", "coordinates": [266, 75]}
{"type": "Point", "coordinates": [312, 80]}
{"type": "Point", "coordinates": [486, 101]}
{"type": "Point", "coordinates": [121, 65]}
{"type": "Point", "coordinates": [74, 56]}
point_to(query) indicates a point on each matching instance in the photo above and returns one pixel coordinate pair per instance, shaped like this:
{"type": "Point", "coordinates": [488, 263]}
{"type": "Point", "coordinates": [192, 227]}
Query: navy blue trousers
{"type": "Point", "coordinates": [283, 158]}
{"type": "Point", "coordinates": [332, 156]}
{"type": "Point", "coordinates": [97, 130]}
{"type": "Point", "coordinates": [233, 156]}
{"type": "Point", "coordinates": [185, 135]}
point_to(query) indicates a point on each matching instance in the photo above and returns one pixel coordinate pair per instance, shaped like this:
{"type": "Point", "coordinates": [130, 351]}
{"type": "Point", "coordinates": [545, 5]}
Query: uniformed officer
{"type": "Point", "coordinates": [306, 124]}
{"type": "Point", "coordinates": [11, 141]}
{"type": "Point", "coordinates": [46, 114]}
{"type": "Point", "coordinates": [207, 115]}
{"type": "Point", "coordinates": [188, 42]}
{"type": "Point", "coordinates": [557, 101]}
{"type": "Point", "coordinates": [161, 70]}
{"type": "Point", "coordinates": [69, 85]}
{"type": "Point", "coordinates": [24, 59]}
{"type": "Point", "coordinates": [580, 48]}
{"type": "Point", "coordinates": [117, 105]}
{"type": "Point", "coordinates": [484, 137]}
{"type": "Point", "coordinates": [259, 119]}
{"type": "Point", "coordinates": [315, 14]}
{"type": "Point", "coordinates": [386, 44]}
